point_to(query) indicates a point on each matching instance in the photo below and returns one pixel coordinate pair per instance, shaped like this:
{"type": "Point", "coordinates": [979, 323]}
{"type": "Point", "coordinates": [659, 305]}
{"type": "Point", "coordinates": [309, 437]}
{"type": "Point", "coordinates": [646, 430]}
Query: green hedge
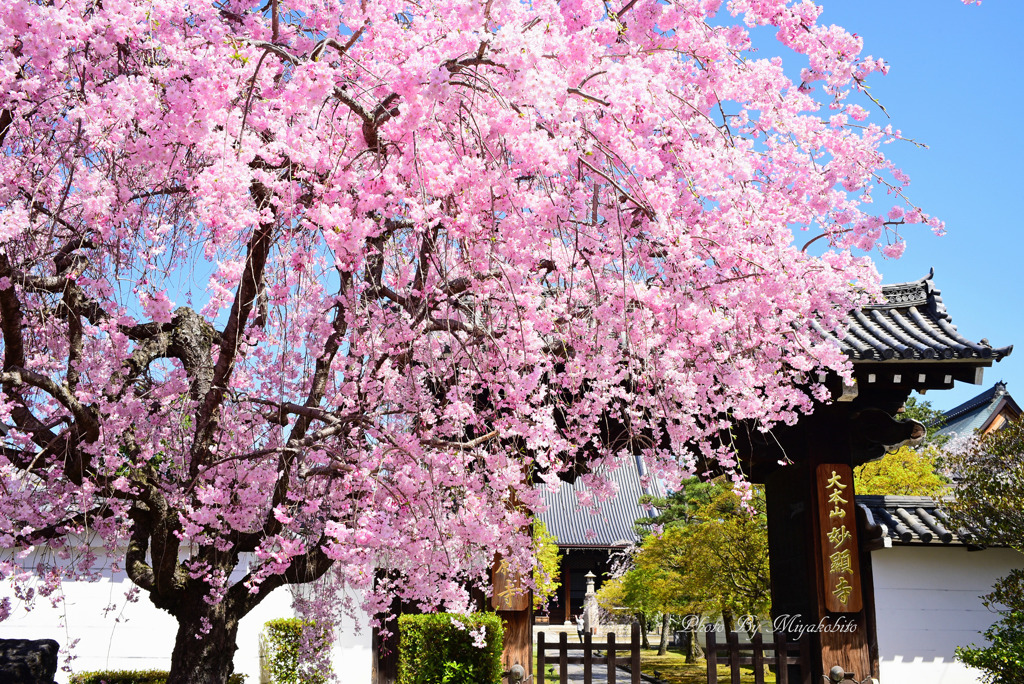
{"type": "Point", "coordinates": [433, 650]}
{"type": "Point", "coordinates": [133, 677]}
{"type": "Point", "coordinates": [280, 651]}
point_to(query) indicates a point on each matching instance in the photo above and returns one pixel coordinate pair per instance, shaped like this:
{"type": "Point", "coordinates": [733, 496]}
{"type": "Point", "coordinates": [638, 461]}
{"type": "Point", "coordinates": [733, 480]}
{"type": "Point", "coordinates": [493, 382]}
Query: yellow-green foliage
{"type": "Point", "coordinates": [546, 574]}
{"type": "Point", "coordinates": [718, 561]}
{"type": "Point", "coordinates": [281, 646]}
{"type": "Point", "coordinates": [905, 472]}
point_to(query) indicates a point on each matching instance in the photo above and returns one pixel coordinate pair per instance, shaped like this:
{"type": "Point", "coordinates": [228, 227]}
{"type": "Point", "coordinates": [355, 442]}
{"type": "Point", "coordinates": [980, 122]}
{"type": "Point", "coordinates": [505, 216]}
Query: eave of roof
{"type": "Point", "coordinates": [978, 412]}
{"type": "Point", "coordinates": [915, 521]}
{"type": "Point", "coordinates": [912, 324]}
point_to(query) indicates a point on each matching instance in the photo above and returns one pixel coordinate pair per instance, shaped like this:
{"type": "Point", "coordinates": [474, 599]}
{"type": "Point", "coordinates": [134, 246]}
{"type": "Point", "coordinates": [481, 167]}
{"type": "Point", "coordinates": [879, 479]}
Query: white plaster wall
{"type": "Point", "coordinates": [115, 634]}
{"type": "Point", "coordinates": [927, 603]}
{"type": "Point", "coordinates": [352, 657]}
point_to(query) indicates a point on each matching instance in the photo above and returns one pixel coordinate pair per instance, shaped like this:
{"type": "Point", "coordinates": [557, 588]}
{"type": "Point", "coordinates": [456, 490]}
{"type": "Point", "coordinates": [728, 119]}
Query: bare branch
{"type": "Point", "coordinates": [462, 446]}
{"type": "Point", "coordinates": [586, 96]}
{"type": "Point", "coordinates": [173, 190]}
{"type": "Point", "coordinates": [318, 50]}
{"type": "Point", "coordinates": [625, 8]}
{"type": "Point", "coordinates": [649, 212]}
{"type": "Point", "coordinates": [6, 119]}
{"type": "Point", "coordinates": [245, 296]}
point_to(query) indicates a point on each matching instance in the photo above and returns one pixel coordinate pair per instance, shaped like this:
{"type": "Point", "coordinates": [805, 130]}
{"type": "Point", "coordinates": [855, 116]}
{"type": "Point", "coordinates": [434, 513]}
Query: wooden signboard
{"type": "Point", "coordinates": [837, 523]}
{"type": "Point", "coordinates": [509, 590]}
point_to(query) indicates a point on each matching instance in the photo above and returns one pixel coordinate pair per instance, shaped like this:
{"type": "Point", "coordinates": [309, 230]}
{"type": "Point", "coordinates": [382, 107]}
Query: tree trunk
{"type": "Point", "coordinates": [644, 641]}
{"type": "Point", "coordinates": [210, 658]}
{"type": "Point", "coordinates": [691, 649]}
{"type": "Point", "coordinates": [666, 620]}
{"type": "Point", "coordinates": [727, 620]}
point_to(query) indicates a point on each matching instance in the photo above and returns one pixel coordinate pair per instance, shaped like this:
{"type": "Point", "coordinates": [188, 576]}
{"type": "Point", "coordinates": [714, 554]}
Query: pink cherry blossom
{"type": "Point", "coordinates": [322, 291]}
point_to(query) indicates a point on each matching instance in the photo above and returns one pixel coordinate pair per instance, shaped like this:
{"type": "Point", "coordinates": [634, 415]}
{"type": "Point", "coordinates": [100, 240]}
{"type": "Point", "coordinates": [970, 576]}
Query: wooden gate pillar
{"type": "Point", "coordinates": [820, 579]}
{"type": "Point", "coordinates": [514, 605]}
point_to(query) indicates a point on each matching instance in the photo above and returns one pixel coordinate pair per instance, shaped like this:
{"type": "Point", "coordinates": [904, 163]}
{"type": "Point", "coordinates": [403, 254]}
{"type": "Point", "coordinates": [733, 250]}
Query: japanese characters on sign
{"type": "Point", "coordinates": [840, 563]}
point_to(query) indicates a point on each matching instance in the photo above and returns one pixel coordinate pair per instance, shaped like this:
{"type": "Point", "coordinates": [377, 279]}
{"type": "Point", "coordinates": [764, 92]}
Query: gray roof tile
{"type": "Point", "coordinates": [912, 324]}
{"type": "Point", "coordinates": [976, 412]}
{"type": "Point", "coordinates": [914, 520]}
{"type": "Point", "coordinates": [611, 525]}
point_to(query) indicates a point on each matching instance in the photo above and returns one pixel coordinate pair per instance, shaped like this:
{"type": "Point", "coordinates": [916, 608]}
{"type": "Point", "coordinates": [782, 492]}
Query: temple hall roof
{"type": "Point", "coordinates": [611, 525]}
{"type": "Point", "coordinates": [979, 412]}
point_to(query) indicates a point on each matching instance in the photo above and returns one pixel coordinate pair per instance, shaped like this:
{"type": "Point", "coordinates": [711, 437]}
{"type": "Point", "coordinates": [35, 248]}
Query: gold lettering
{"type": "Point", "coordinates": [839, 536]}
{"type": "Point", "coordinates": [835, 481]}
{"type": "Point", "coordinates": [841, 562]}
{"type": "Point", "coordinates": [842, 590]}
{"type": "Point", "coordinates": [835, 498]}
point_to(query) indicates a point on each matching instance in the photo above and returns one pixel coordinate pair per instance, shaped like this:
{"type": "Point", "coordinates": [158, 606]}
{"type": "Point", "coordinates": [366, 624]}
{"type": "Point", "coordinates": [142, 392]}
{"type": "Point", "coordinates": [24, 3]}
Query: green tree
{"type": "Point", "coordinates": [906, 471]}
{"type": "Point", "coordinates": [714, 564]}
{"type": "Point", "coordinates": [678, 509]}
{"type": "Point", "coordinates": [681, 507]}
{"type": "Point", "coordinates": [547, 571]}
{"type": "Point", "coordinates": [989, 485]}
{"type": "Point", "coordinates": [933, 419]}
{"type": "Point", "coordinates": [637, 593]}
{"type": "Point", "coordinates": [727, 556]}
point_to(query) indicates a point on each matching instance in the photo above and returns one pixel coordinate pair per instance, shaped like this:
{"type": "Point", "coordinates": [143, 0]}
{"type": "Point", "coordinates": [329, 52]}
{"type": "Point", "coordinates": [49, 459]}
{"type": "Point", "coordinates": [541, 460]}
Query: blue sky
{"type": "Point", "coordinates": [955, 83]}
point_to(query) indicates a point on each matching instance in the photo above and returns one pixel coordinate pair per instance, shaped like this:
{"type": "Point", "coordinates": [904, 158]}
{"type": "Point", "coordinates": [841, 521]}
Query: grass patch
{"type": "Point", "coordinates": [671, 668]}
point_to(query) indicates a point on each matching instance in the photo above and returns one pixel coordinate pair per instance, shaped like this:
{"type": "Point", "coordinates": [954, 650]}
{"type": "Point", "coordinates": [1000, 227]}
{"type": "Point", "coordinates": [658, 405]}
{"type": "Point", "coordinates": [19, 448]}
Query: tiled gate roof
{"type": "Point", "coordinates": [912, 324]}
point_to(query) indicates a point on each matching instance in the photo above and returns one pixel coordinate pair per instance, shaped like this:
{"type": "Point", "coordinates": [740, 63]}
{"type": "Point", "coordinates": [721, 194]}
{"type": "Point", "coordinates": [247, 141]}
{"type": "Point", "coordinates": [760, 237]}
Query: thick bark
{"type": "Point", "coordinates": [691, 648]}
{"type": "Point", "coordinates": [209, 658]}
{"type": "Point", "coordinates": [666, 634]}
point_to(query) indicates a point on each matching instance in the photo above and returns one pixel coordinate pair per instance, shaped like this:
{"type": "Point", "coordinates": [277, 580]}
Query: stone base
{"type": "Point", "coordinates": [23, 661]}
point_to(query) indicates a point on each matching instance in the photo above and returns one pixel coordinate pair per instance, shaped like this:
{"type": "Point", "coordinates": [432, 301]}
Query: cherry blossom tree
{"type": "Point", "coordinates": [328, 285]}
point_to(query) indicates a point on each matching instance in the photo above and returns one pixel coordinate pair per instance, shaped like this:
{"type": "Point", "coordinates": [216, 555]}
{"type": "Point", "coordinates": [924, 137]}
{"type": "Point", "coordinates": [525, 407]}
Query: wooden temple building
{"type": "Point", "coordinates": [590, 540]}
{"type": "Point", "coordinates": [819, 539]}
{"type": "Point", "coordinates": [985, 413]}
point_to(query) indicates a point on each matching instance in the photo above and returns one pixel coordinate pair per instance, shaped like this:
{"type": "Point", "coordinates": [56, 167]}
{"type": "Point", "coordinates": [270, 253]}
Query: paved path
{"type": "Point", "coordinates": [576, 675]}
{"type": "Point", "coordinates": [600, 673]}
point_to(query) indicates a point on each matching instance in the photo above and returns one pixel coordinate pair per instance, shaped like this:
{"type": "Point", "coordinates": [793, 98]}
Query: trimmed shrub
{"type": "Point", "coordinates": [442, 648]}
{"type": "Point", "coordinates": [281, 652]}
{"type": "Point", "coordinates": [133, 677]}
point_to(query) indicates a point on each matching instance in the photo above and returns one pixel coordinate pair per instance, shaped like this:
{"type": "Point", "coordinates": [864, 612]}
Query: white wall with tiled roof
{"type": "Point", "coordinates": [927, 602]}
{"type": "Point", "coordinates": [99, 628]}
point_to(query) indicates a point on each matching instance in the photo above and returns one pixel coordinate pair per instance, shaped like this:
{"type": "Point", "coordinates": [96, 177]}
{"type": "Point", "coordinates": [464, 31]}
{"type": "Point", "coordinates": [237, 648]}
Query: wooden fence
{"type": "Point", "coordinates": [754, 655]}
{"type": "Point", "coordinates": [590, 656]}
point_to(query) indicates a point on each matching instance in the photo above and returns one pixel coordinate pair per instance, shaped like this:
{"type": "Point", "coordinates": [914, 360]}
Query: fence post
{"type": "Point", "coordinates": [733, 639]}
{"type": "Point", "coordinates": [757, 658]}
{"type": "Point", "coordinates": [634, 649]}
{"type": "Point", "coordinates": [588, 656]}
{"type": "Point", "coordinates": [805, 659]}
{"type": "Point", "coordinates": [781, 659]}
{"type": "Point", "coordinates": [540, 658]}
{"type": "Point", "coordinates": [710, 654]}
{"type": "Point", "coordinates": [611, 658]}
{"type": "Point", "coordinates": [563, 658]}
